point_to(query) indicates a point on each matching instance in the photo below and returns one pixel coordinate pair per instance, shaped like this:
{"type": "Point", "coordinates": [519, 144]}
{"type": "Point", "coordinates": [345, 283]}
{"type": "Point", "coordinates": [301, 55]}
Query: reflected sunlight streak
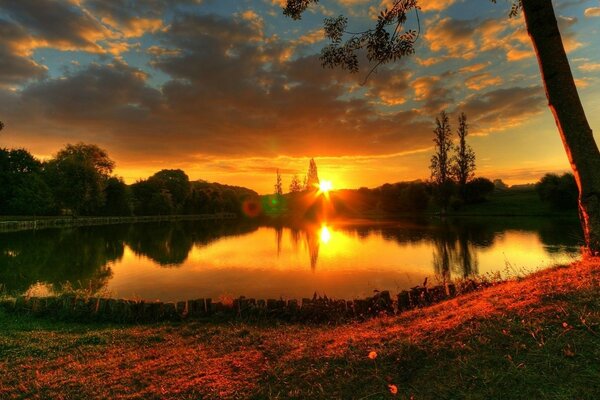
{"type": "Point", "coordinates": [325, 235]}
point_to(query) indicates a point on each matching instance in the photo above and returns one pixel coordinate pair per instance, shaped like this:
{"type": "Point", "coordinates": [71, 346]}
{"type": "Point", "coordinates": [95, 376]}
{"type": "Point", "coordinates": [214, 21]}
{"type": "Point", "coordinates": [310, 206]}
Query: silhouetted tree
{"type": "Point", "coordinates": [77, 176]}
{"type": "Point", "coordinates": [463, 167]}
{"type": "Point", "coordinates": [478, 189]}
{"type": "Point", "coordinates": [559, 191]}
{"type": "Point", "coordinates": [176, 183]}
{"type": "Point", "coordinates": [295, 185]}
{"type": "Point", "coordinates": [22, 190]}
{"type": "Point", "coordinates": [440, 161]}
{"type": "Point", "coordinates": [278, 185]}
{"type": "Point", "coordinates": [383, 46]}
{"type": "Point", "coordinates": [312, 177]}
{"type": "Point", "coordinates": [118, 198]}
{"type": "Point", "coordinates": [30, 196]}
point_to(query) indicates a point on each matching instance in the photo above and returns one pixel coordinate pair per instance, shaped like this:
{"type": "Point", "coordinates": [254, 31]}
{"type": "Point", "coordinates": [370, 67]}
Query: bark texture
{"type": "Point", "coordinates": [569, 115]}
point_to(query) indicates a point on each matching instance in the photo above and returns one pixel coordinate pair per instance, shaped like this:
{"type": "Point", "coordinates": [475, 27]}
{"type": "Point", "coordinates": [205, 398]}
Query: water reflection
{"type": "Point", "coordinates": [82, 257]}
{"type": "Point", "coordinates": [170, 260]}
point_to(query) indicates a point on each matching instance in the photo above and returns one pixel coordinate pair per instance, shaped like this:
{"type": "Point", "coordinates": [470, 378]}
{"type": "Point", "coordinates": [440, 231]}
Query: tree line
{"type": "Point", "coordinates": [78, 180]}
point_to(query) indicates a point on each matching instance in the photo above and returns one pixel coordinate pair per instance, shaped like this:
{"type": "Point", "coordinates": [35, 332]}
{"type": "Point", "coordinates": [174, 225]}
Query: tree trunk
{"type": "Point", "coordinates": [570, 118]}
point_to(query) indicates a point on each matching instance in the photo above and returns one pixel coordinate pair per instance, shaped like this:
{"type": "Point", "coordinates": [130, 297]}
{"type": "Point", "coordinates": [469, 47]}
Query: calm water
{"type": "Point", "coordinates": [185, 260]}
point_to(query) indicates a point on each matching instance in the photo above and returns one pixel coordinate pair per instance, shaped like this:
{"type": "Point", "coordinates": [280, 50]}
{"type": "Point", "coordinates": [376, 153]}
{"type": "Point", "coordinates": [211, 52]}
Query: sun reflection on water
{"type": "Point", "coordinates": [325, 234]}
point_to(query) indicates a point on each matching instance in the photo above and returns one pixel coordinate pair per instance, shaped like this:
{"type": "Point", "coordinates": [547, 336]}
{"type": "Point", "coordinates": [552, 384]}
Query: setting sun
{"type": "Point", "coordinates": [325, 186]}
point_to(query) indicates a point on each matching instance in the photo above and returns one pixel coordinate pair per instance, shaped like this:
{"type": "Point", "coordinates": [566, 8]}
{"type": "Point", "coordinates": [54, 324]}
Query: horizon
{"type": "Point", "coordinates": [231, 92]}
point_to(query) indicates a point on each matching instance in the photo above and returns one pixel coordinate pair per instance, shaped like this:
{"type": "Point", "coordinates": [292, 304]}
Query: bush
{"type": "Point", "coordinates": [559, 191]}
{"type": "Point", "coordinates": [477, 190]}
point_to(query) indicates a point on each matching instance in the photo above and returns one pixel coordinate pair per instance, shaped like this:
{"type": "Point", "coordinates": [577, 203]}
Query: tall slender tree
{"type": "Point", "coordinates": [386, 42]}
{"type": "Point", "coordinates": [463, 162]}
{"type": "Point", "coordinates": [441, 173]}
{"type": "Point", "coordinates": [278, 184]}
{"type": "Point", "coordinates": [312, 177]}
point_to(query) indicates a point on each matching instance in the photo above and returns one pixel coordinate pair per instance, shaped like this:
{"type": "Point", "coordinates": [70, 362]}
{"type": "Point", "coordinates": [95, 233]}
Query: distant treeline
{"type": "Point", "coordinates": [79, 181]}
{"type": "Point", "coordinates": [404, 198]}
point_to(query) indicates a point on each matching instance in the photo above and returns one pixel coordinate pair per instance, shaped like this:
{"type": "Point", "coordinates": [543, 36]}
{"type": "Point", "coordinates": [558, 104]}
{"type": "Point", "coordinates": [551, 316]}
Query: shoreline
{"type": "Point", "coordinates": [71, 307]}
{"type": "Point", "coordinates": [28, 223]}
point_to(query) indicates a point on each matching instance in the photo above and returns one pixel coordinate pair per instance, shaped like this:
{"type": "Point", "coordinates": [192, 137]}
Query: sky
{"type": "Point", "coordinates": [231, 90]}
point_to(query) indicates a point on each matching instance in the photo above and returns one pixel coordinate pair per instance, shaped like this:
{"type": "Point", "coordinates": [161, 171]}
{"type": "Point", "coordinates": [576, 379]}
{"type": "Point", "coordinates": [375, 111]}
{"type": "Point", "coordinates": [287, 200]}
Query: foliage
{"type": "Point", "coordinates": [312, 177]}
{"type": "Point", "coordinates": [441, 172]}
{"type": "Point", "coordinates": [77, 176]}
{"type": "Point", "coordinates": [559, 191]}
{"type": "Point", "coordinates": [278, 185]}
{"type": "Point", "coordinates": [119, 200]}
{"type": "Point", "coordinates": [463, 162]}
{"type": "Point", "coordinates": [295, 185]}
{"type": "Point", "coordinates": [22, 189]}
{"type": "Point", "coordinates": [477, 190]}
{"type": "Point", "coordinates": [404, 197]}
{"type": "Point", "coordinates": [30, 196]}
{"type": "Point", "coordinates": [383, 43]}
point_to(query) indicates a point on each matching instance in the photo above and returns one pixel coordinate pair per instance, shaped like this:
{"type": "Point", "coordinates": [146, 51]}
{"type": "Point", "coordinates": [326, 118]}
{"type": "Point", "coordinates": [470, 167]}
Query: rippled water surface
{"type": "Point", "coordinates": [185, 260]}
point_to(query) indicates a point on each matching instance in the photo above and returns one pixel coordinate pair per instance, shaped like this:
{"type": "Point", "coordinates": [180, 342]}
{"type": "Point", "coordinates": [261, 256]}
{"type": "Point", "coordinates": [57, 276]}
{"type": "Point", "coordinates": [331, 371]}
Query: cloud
{"type": "Point", "coordinates": [589, 67]}
{"type": "Point", "coordinates": [592, 12]}
{"type": "Point", "coordinates": [482, 81]}
{"type": "Point", "coordinates": [16, 66]}
{"type": "Point", "coordinates": [229, 94]}
{"type": "Point", "coordinates": [470, 38]}
{"type": "Point", "coordinates": [504, 108]}
{"type": "Point", "coordinates": [59, 24]}
{"type": "Point", "coordinates": [433, 93]}
{"type": "Point", "coordinates": [132, 18]}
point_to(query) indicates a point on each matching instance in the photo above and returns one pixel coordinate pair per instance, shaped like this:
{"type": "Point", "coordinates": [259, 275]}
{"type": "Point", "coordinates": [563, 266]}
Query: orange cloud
{"type": "Point", "coordinates": [482, 81]}
{"type": "Point", "coordinates": [592, 12]}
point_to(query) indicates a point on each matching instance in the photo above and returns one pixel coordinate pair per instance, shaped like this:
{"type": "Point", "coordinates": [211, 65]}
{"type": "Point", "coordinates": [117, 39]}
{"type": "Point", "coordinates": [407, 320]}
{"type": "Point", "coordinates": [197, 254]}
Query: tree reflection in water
{"type": "Point", "coordinates": [83, 256]}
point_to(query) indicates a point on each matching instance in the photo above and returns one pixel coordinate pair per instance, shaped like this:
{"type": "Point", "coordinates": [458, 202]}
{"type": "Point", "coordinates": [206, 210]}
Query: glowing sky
{"type": "Point", "coordinates": [230, 90]}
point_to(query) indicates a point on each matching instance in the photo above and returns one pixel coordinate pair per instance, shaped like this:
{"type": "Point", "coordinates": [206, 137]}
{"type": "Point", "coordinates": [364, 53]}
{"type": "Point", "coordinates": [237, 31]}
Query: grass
{"type": "Point", "coordinates": [533, 338]}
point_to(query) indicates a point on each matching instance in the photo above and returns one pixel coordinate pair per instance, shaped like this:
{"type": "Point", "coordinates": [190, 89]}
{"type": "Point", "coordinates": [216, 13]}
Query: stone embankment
{"type": "Point", "coordinates": [318, 309]}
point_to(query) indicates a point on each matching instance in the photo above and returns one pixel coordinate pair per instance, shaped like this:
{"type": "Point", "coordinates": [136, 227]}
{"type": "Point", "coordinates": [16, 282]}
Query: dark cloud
{"type": "Point", "coordinates": [504, 108]}
{"type": "Point", "coordinates": [60, 23]}
{"type": "Point", "coordinates": [15, 65]}
{"type": "Point", "coordinates": [97, 93]}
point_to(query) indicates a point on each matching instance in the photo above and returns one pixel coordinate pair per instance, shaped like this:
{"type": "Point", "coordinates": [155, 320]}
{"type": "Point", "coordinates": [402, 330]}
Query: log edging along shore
{"type": "Point", "coordinates": [67, 222]}
{"type": "Point", "coordinates": [322, 309]}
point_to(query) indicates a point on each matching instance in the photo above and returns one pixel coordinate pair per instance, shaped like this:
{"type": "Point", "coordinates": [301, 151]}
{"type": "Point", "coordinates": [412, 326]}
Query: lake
{"type": "Point", "coordinates": [223, 259]}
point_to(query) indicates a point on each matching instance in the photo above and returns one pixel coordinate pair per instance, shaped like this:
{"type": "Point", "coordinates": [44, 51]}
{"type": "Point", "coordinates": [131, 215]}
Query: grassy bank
{"type": "Point", "coordinates": [537, 337]}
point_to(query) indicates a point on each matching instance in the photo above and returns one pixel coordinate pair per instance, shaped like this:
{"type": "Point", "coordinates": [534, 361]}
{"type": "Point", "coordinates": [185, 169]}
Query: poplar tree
{"type": "Point", "coordinates": [312, 177]}
{"type": "Point", "coordinates": [441, 174]}
{"type": "Point", "coordinates": [463, 167]}
{"type": "Point", "coordinates": [278, 185]}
